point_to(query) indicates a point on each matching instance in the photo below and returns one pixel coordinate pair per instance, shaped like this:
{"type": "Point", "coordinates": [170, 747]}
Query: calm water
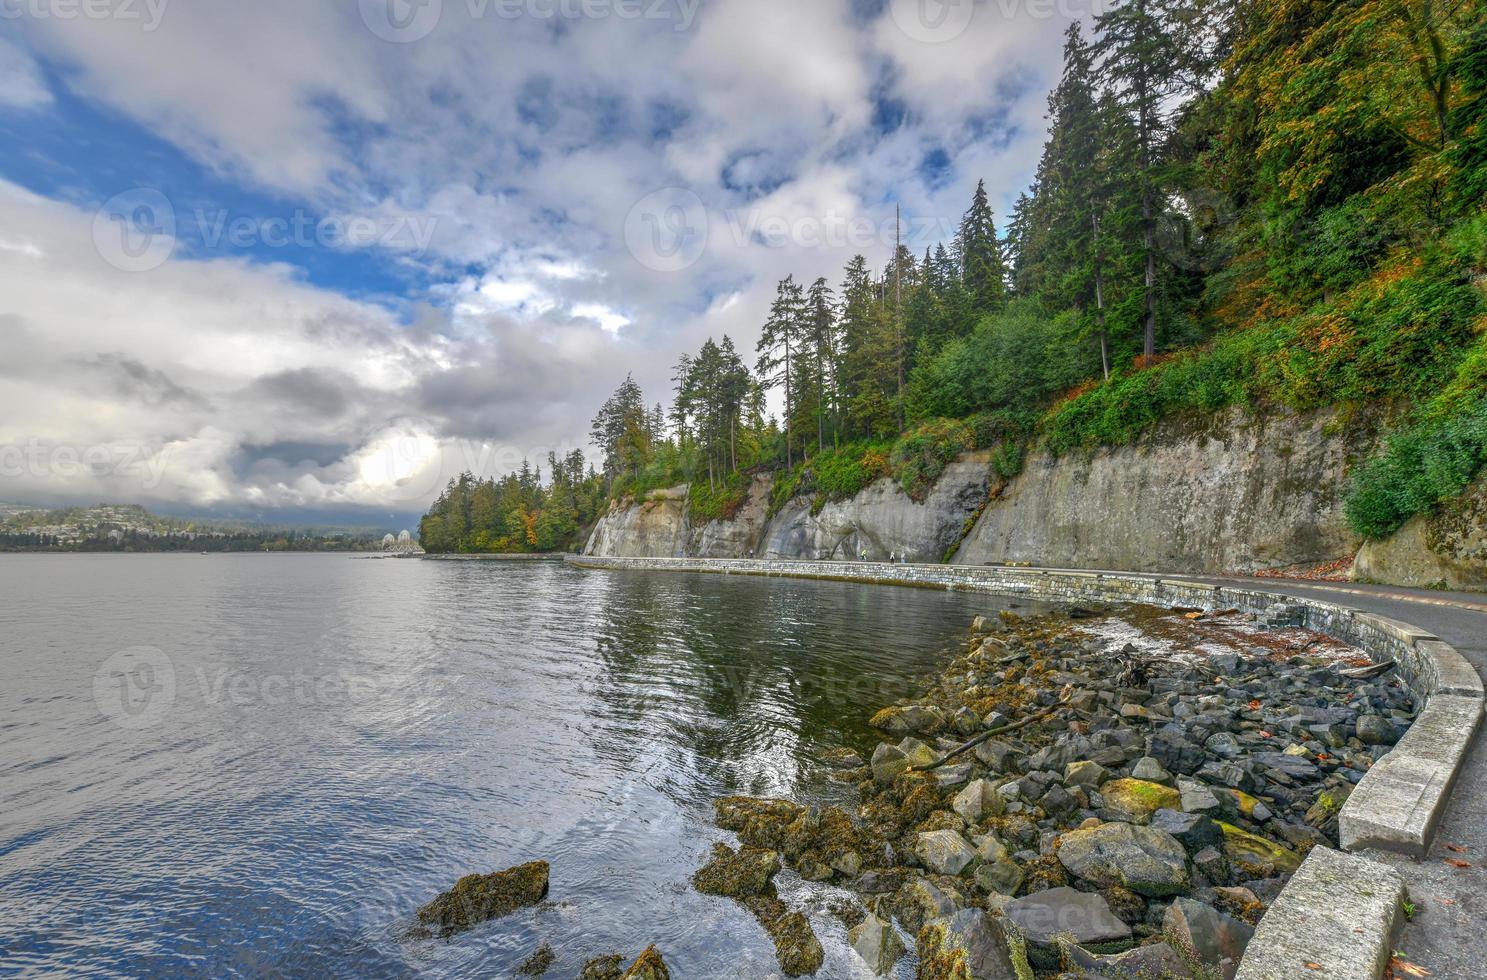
{"type": "Point", "coordinates": [264, 764]}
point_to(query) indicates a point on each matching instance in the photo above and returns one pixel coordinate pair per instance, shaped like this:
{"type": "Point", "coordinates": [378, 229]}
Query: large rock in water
{"type": "Point", "coordinates": [875, 941]}
{"type": "Point", "coordinates": [888, 762]}
{"type": "Point", "coordinates": [795, 944]}
{"type": "Point", "coordinates": [944, 851]}
{"type": "Point", "coordinates": [969, 945]}
{"type": "Point", "coordinates": [737, 874]}
{"type": "Point", "coordinates": [1216, 939]}
{"type": "Point", "coordinates": [648, 966]}
{"type": "Point", "coordinates": [1148, 862]}
{"type": "Point", "coordinates": [477, 898]}
{"type": "Point", "coordinates": [1084, 916]}
{"type": "Point", "coordinates": [913, 719]}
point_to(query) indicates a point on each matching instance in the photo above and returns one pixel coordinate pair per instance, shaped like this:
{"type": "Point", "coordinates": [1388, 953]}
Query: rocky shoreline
{"type": "Point", "coordinates": [1128, 809]}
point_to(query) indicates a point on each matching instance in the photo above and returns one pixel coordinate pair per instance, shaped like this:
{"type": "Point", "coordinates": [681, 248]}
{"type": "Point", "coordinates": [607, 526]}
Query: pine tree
{"type": "Point", "coordinates": [779, 344]}
{"type": "Point", "coordinates": [982, 269]}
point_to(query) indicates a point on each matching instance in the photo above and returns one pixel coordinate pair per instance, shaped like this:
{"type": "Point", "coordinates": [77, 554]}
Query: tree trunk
{"type": "Point", "coordinates": [1100, 302]}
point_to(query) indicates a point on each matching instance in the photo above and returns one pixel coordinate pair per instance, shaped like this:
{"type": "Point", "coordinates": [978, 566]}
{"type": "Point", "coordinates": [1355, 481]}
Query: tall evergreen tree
{"type": "Point", "coordinates": [982, 269]}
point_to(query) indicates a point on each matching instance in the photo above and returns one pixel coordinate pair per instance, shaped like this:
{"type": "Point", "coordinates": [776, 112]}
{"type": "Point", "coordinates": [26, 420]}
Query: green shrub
{"type": "Point", "coordinates": [720, 501]}
{"type": "Point", "coordinates": [845, 472]}
{"type": "Point", "coordinates": [1420, 467]}
{"type": "Point", "coordinates": [922, 453]}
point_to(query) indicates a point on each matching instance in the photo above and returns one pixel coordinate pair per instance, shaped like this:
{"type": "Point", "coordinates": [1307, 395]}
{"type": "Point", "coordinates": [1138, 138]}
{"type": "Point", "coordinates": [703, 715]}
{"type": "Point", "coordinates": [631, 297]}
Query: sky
{"type": "Point", "coordinates": [309, 259]}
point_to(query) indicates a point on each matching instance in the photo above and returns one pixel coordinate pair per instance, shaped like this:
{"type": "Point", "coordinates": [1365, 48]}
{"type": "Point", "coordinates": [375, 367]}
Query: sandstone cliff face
{"type": "Point", "coordinates": [882, 520]}
{"type": "Point", "coordinates": [653, 528]}
{"type": "Point", "coordinates": [1239, 495]}
{"type": "Point", "coordinates": [1235, 494]}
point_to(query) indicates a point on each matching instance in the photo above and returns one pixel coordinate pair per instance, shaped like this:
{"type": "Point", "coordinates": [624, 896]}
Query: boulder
{"type": "Point", "coordinates": [1151, 771]}
{"type": "Point", "coordinates": [1194, 831]}
{"type": "Point", "coordinates": [969, 945]}
{"type": "Point", "coordinates": [919, 901]}
{"type": "Point", "coordinates": [918, 753]}
{"type": "Point", "coordinates": [1141, 963]}
{"type": "Point", "coordinates": [999, 756]}
{"type": "Point", "coordinates": [1256, 856]}
{"type": "Point", "coordinates": [1135, 800]}
{"type": "Point", "coordinates": [842, 758]}
{"type": "Point", "coordinates": [1085, 916]}
{"type": "Point", "coordinates": [758, 822]}
{"type": "Point", "coordinates": [912, 719]}
{"type": "Point", "coordinates": [978, 801]}
{"type": "Point", "coordinates": [1175, 752]}
{"type": "Point", "coordinates": [648, 966]}
{"type": "Point", "coordinates": [737, 874]}
{"type": "Point", "coordinates": [1215, 939]}
{"type": "Point", "coordinates": [1195, 797]}
{"type": "Point", "coordinates": [608, 967]}
{"type": "Point", "coordinates": [944, 851]}
{"type": "Point", "coordinates": [1377, 730]}
{"type": "Point", "coordinates": [888, 762]}
{"type": "Point", "coordinates": [796, 947]}
{"type": "Point", "coordinates": [877, 943]}
{"type": "Point", "coordinates": [1001, 877]}
{"type": "Point", "coordinates": [1086, 774]}
{"type": "Point", "coordinates": [476, 898]}
{"type": "Point", "coordinates": [1147, 861]}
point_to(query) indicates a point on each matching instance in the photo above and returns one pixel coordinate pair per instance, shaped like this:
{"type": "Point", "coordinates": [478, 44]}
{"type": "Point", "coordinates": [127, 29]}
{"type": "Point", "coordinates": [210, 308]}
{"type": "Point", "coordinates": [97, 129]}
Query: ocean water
{"type": "Point", "coordinates": [261, 765]}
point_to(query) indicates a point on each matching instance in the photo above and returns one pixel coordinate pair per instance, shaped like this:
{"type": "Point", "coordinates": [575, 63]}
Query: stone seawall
{"type": "Point", "coordinates": [1396, 806]}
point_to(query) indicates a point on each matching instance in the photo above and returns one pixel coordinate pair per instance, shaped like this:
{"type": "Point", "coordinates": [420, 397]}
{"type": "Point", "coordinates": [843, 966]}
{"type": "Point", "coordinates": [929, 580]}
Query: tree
{"type": "Point", "coordinates": [1146, 67]}
{"type": "Point", "coordinates": [821, 342]}
{"type": "Point", "coordinates": [622, 430]}
{"type": "Point", "coordinates": [779, 343]}
{"type": "Point", "coordinates": [982, 269]}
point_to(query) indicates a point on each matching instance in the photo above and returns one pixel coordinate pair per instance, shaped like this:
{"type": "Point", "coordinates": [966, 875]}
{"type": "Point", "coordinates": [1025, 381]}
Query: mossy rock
{"type": "Point", "coordinates": [608, 967]}
{"type": "Point", "coordinates": [1255, 853]}
{"type": "Point", "coordinates": [648, 966]}
{"type": "Point", "coordinates": [738, 874]}
{"type": "Point", "coordinates": [477, 898]}
{"type": "Point", "coordinates": [795, 944]}
{"type": "Point", "coordinates": [1135, 800]}
{"type": "Point", "coordinates": [758, 822]}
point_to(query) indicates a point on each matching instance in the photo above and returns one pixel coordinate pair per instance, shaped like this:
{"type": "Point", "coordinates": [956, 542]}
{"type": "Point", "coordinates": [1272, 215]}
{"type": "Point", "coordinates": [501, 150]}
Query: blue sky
{"type": "Point", "coordinates": [319, 257]}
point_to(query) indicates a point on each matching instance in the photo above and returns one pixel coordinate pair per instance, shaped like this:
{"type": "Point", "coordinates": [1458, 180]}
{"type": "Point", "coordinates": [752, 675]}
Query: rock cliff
{"type": "Point", "coordinates": [1231, 493]}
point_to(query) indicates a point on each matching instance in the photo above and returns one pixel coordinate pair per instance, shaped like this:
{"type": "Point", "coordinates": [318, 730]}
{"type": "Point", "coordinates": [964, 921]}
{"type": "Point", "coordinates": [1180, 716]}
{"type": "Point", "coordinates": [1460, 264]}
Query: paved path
{"type": "Point", "coordinates": [1448, 934]}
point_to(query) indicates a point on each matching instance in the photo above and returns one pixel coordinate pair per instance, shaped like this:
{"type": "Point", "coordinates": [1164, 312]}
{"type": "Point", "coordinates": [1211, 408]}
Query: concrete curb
{"type": "Point", "coordinates": [1339, 910]}
{"type": "Point", "coordinates": [1337, 918]}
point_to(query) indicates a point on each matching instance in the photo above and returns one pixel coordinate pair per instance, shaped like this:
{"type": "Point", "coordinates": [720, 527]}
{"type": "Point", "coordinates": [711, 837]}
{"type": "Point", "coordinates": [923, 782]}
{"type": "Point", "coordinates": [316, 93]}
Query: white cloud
{"type": "Point", "coordinates": [520, 148]}
{"type": "Point", "coordinates": [21, 84]}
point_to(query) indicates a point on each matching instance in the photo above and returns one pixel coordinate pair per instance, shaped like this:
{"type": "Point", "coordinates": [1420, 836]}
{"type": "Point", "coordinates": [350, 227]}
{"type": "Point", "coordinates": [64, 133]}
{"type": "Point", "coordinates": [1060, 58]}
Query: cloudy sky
{"type": "Point", "coordinates": [284, 257]}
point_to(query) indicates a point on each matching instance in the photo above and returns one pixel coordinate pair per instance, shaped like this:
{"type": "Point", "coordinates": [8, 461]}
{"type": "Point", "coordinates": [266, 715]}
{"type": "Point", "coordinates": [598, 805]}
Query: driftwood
{"type": "Point", "coordinates": [993, 733]}
{"type": "Point", "coordinates": [1372, 670]}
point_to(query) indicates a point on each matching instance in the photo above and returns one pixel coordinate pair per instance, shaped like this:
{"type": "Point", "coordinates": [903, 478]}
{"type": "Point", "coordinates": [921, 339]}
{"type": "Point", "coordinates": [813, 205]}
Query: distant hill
{"type": "Point", "coordinates": [132, 528]}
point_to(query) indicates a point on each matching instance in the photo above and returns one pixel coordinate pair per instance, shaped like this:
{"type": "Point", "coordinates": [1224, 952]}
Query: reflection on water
{"type": "Point", "coordinates": [296, 751]}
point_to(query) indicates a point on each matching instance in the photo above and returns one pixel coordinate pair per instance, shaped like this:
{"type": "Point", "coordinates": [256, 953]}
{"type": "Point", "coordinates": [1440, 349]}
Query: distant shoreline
{"type": "Point", "coordinates": [510, 556]}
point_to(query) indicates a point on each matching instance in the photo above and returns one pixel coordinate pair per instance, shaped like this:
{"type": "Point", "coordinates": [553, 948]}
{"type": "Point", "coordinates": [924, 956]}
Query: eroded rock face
{"type": "Point", "coordinates": [477, 898]}
{"type": "Point", "coordinates": [1239, 494]}
{"type": "Point", "coordinates": [1446, 548]}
